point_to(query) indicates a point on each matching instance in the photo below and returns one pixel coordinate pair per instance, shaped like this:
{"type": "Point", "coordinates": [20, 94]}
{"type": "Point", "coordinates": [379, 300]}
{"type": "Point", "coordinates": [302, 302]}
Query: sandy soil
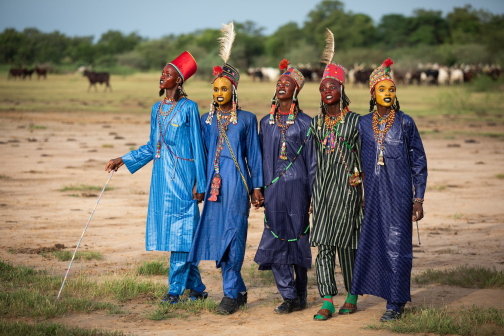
{"type": "Point", "coordinates": [463, 221]}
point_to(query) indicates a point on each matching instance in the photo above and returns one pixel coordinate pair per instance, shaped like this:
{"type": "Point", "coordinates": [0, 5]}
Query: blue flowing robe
{"type": "Point", "coordinates": [385, 254]}
{"type": "Point", "coordinates": [287, 201]}
{"type": "Point", "coordinates": [172, 214]}
{"type": "Point", "coordinates": [225, 220]}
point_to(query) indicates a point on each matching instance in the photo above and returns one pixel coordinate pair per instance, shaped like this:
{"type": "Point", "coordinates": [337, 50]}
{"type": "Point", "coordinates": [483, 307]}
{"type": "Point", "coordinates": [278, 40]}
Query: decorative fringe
{"type": "Point", "coordinates": [272, 112]}
{"type": "Point", "coordinates": [320, 114]}
{"type": "Point", "coordinates": [290, 120]}
{"type": "Point", "coordinates": [210, 114]}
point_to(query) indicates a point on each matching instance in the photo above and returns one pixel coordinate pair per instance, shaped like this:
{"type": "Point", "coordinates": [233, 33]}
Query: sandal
{"type": "Point", "coordinates": [326, 313]}
{"type": "Point", "coordinates": [348, 306]}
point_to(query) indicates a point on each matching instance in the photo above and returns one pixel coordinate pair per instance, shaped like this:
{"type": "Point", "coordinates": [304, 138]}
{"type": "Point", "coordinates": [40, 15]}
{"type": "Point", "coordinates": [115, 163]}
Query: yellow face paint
{"type": "Point", "coordinates": [222, 90]}
{"type": "Point", "coordinates": [385, 93]}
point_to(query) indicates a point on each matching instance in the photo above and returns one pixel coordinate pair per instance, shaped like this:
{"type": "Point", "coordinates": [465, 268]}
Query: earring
{"type": "Point", "coordinates": [290, 120]}
{"type": "Point", "coordinates": [234, 117]}
{"type": "Point", "coordinates": [211, 112]}
{"type": "Point", "coordinates": [273, 108]}
{"type": "Point", "coordinates": [320, 114]}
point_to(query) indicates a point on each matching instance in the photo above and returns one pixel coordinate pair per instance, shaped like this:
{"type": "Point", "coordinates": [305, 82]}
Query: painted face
{"type": "Point", "coordinates": [330, 90]}
{"type": "Point", "coordinates": [222, 90]}
{"type": "Point", "coordinates": [285, 87]}
{"type": "Point", "coordinates": [169, 77]}
{"type": "Point", "coordinates": [385, 93]}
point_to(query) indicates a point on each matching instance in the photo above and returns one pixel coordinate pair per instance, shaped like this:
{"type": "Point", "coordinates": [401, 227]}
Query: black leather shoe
{"type": "Point", "coordinates": [193, 295]}
{"type": "Point", "coordinates": [288, 306]}
{"type": "Point", "coordinates": [390, 315]}
{"type": "Point", "coordinates": [303, 298]}
{"type": "Point", "coordinates": [242, 299]}
{"type": "Point", "coordinates": [227, 306]}
{"type": "Point", "coordinates": [170, 298]}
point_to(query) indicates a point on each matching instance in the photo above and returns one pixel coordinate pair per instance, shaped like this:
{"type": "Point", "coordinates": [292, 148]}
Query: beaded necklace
{"type": "Point", "coordinates": [223, 122]}
{"type": "Point", "coordinates": [161, 124]}
{"type": "Point", "coordinates": [331, 123]}
{"type": "Point", "coordinates": [284, 126]}
{"type": "Point", "coordinates": [379, 135]}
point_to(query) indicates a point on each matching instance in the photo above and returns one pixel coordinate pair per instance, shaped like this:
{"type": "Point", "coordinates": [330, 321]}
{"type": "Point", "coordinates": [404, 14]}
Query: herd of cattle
{"type": "Point", "coordinates": [429, 74]}
{"type": "Point", "coordinates": [24, 72]}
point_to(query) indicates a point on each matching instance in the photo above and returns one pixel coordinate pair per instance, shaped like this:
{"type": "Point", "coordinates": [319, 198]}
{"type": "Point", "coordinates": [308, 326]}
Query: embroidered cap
{"type": "Point", "coordinates": [380, 74]}
{"type": "Point", "coordinates": [185, 65]}
{"type": "Point", "coordinates": [292, 73]}
{"type": "Point", "coordinates": [336, 72]}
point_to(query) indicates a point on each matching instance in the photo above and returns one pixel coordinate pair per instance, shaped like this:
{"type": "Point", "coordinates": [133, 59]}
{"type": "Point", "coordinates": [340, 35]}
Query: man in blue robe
{"type": "Point", "coordinates": [178, 177]}
{"type": "Point", "coordinates": [234, 171]}
{"type": "Point", "coordinates": [289, 166]}
{"type": "Point", "coordinates": [395, 178]}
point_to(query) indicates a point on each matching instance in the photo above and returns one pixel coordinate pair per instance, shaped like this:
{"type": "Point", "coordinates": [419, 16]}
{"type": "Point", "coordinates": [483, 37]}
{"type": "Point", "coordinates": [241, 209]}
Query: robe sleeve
{"type": "Point", "coordinates": [310, 158]}
{"type": "Point", "coordinates": [204, 135]}
{"type": "Point", "coordinates": [197, 148]}
{"type": "Point", "coordinates": [418, 160]}
{"type": "Point", "coordinates": [253, 154]}
{"type": "Point", "coordinates": [136, 159]}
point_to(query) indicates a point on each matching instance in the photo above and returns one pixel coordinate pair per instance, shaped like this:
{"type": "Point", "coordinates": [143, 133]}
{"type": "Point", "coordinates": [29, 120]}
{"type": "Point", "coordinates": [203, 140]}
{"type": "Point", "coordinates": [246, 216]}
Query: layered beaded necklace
{"type": "Point", "coordinates": [331, 123]}
{"type": "Point", "coordinates": [379, 135]}
{"type": "Point", "coordinates": [223, 121]}
{"type": "Point", "coordinates": [161, 124]}
{"type": "Point", "coordinates": [284, 126]}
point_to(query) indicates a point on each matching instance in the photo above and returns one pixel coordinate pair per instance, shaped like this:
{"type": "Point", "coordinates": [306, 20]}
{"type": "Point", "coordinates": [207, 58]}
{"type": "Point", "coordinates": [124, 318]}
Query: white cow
{"type": "Point", "coordinates": [444, 76]}
{"type": "Point", "coordinates": [270, 74]}
{"type": "Point", "coordinates": [457, 76]}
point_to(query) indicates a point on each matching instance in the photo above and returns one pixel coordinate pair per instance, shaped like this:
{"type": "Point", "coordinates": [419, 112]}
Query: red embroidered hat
{"type": "Point", "coordinates": [185, 64]}
{"type": "Point", "coordinates": [334, 71]}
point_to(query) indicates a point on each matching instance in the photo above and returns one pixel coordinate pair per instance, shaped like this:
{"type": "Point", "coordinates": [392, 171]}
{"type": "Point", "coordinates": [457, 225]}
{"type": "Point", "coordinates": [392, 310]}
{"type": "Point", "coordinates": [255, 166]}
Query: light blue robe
{"type": "Point", "coordinates": [172, 214]}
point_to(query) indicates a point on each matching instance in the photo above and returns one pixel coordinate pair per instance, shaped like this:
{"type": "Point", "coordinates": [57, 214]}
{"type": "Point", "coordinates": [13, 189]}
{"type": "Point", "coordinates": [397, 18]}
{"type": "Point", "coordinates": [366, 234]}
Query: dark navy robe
{"type": "Point", "coordinates": [384, 257]}
{"type": "Point", "coordinates": [287, 201]}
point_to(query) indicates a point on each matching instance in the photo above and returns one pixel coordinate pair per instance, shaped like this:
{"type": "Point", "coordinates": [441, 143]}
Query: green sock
{"type": "Point", "coordinates": [350, 299]}
{"type": "Point", "coordinates": [327, 305]}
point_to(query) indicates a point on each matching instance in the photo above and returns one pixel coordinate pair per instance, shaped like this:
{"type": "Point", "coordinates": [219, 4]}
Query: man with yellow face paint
{"type": "Point", "coordinates": [234, 176]}
{"type": "Point", "coordinates": [395, 178]}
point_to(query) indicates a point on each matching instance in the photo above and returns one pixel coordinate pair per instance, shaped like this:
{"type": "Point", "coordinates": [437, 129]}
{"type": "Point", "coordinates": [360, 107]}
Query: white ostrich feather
{"type": "Point", "coordinates": [328, 53]}
{"type": "Point", "coordinates": [226, 41]}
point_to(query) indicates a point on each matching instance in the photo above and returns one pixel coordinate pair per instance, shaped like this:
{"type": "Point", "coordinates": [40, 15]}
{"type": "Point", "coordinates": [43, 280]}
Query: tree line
{"type": "Point", "coordinates": [464, 35]}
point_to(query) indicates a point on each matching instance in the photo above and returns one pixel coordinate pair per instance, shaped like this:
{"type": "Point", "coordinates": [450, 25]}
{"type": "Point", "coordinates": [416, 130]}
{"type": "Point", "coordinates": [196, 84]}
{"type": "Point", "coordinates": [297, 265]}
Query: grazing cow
{"type": "Point", "coordinates": [98, 77]}
{"type": "Point", "coordinates": [416, 76]}
{"type": "Point", "coordinates": [41, 72]}
{"type": "Point", "coordinates": [432, 76]}
{"type": "Point", "coordinates": [399, 76]}
{"type": "Point", "coordinates": [457, 76]}
{"type": "Point", "coordinates": [14, 73]}
{"type": "Point", "coordinates": [27, 73]}
{"type": "Point", "coordinates": [271, 74]}
{"type": "Point", "coordinates": [307, 73]}
{"type": "Point", "coordinates": [362, 76]}
{"type": "Point", "coordinates": [444, 76]}
{"type": "Point", "coordinates": [255, 73]}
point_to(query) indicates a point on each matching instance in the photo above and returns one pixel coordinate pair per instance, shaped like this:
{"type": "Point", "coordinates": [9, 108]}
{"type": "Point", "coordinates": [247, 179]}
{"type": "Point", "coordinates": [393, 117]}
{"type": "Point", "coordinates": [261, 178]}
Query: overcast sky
{"type": "Point", "coordinates": [155, 18]}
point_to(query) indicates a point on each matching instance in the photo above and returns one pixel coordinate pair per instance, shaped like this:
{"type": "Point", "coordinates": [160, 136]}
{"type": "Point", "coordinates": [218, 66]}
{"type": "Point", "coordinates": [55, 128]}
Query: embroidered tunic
{"type": "Point", "coordinates": [172, 214]}
{"type": "Point", "coordinates": [287, 201]}
{"type": "Point", "coordinates": [384, 258]}
{"type": "Point", "coordinates": [226, 220]}
{"type": "Point", "coordinates": [337, 206]}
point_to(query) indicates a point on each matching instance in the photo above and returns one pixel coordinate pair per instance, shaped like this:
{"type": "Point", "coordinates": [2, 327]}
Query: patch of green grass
{"type": "Point", "coordinates": [132, 148]}
{"type": "Point", "coordinates": [448, 321]}
{"type": "Point", "coordinates": [183, 309]}
{"type": "Point", "coordinates": [256, 278]}
{"type": "Point", "coordinates": [107, 146]}
{"type": "Point", "coordinates": [87, 255]}
{"type": "Point", "coordinates": [83, 187]}
{"type": "Point", "coordinates": [153, 268]}
{"type": "Point", "coordinates": [39, 329]}
{"type": "Point", "coordinates": [4, 177]}
{"type": "Point", "coordinates": [458, 215]}
{"type": "Point", "coordinates": [500, 176]}
{"type": "Point", "coordinates": [463, 276]}
{"type": "Point", "coordinates": [37, 127]}
{"type": "Point", "coordinates": [437, 187]}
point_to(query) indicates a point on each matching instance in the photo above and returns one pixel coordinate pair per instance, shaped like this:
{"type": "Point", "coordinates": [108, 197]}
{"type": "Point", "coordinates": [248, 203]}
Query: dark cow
{"type": "Point", "coordinates": [362, 76]}
{"type": "Point", "coordinates": [41, 72]}
{"type": "Point", "coordinates": [432, 76]}
{"type": "Point", "coordinates": [27, 73]}
{"type": "Point", "coordinates": [14, 73]}
{"type": "Point", "coordinates": [416, 75]}
{"type": "Point", "coordinates": [98, 77]}
{"type": "Point", "coordinates": [307, 73]}
{"type": "Point", "coordinates": [257, 73]}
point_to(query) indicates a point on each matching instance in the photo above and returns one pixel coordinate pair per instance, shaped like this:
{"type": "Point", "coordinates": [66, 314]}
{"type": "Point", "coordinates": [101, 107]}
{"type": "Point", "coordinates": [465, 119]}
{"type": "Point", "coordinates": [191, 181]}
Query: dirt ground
{"type": "Point", "coordinates": [463, 220]}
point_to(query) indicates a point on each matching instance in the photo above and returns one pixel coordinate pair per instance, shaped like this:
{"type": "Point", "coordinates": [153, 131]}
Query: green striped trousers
{"type": "Point", "coordinates": [325, 265]}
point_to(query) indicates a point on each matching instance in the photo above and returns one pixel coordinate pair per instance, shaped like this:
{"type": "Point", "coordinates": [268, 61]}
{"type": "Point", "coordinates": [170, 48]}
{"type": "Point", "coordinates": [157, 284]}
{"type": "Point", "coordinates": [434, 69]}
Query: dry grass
{"type": "Point", "coordinates": [463, 276]}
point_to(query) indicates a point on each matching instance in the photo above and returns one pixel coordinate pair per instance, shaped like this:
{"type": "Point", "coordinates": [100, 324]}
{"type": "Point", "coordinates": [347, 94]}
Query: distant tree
{"type": "Point", "coordinates": [428, 27]}
{"type": "Point", "coordinates": [10, 43]}
{"type": "Point", "coordinates": [283, 40]}
{"type": "Point", "coordinates": [114, 42]}
{"type": "Point", "coordinates": [393, 30]}
{"type": "Point", "coordinates": [465, 24]}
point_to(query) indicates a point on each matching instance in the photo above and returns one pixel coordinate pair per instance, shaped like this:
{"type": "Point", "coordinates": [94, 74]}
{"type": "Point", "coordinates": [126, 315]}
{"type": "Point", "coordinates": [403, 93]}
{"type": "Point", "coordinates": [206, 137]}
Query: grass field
{"type": "Point", "coordinates": [137, 93]}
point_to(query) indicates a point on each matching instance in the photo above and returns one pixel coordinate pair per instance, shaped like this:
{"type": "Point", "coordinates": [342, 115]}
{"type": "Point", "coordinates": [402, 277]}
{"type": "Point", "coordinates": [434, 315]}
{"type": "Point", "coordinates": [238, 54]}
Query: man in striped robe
{"type": "Point", "coordinates": [337, 194]}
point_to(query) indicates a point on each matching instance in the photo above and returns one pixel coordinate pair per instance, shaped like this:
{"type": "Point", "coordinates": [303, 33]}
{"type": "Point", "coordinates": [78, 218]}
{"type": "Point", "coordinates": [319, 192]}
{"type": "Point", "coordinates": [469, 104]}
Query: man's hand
{"type": "Point", "coordinates": [311, 208]}
{"type": "Point", "coordinates": [417, 211]}
{"type": "Point", "coordinates": [114, 164]}
{"type": "Point", "coordinates": [198, 197]}
{"type": "Point", "coordinates": [257, 199]}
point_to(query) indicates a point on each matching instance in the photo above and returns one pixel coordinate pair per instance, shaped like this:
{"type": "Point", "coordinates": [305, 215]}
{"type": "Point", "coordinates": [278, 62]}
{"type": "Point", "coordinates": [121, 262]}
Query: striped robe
{"type": "Point", "coordinates": [337, 210]}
